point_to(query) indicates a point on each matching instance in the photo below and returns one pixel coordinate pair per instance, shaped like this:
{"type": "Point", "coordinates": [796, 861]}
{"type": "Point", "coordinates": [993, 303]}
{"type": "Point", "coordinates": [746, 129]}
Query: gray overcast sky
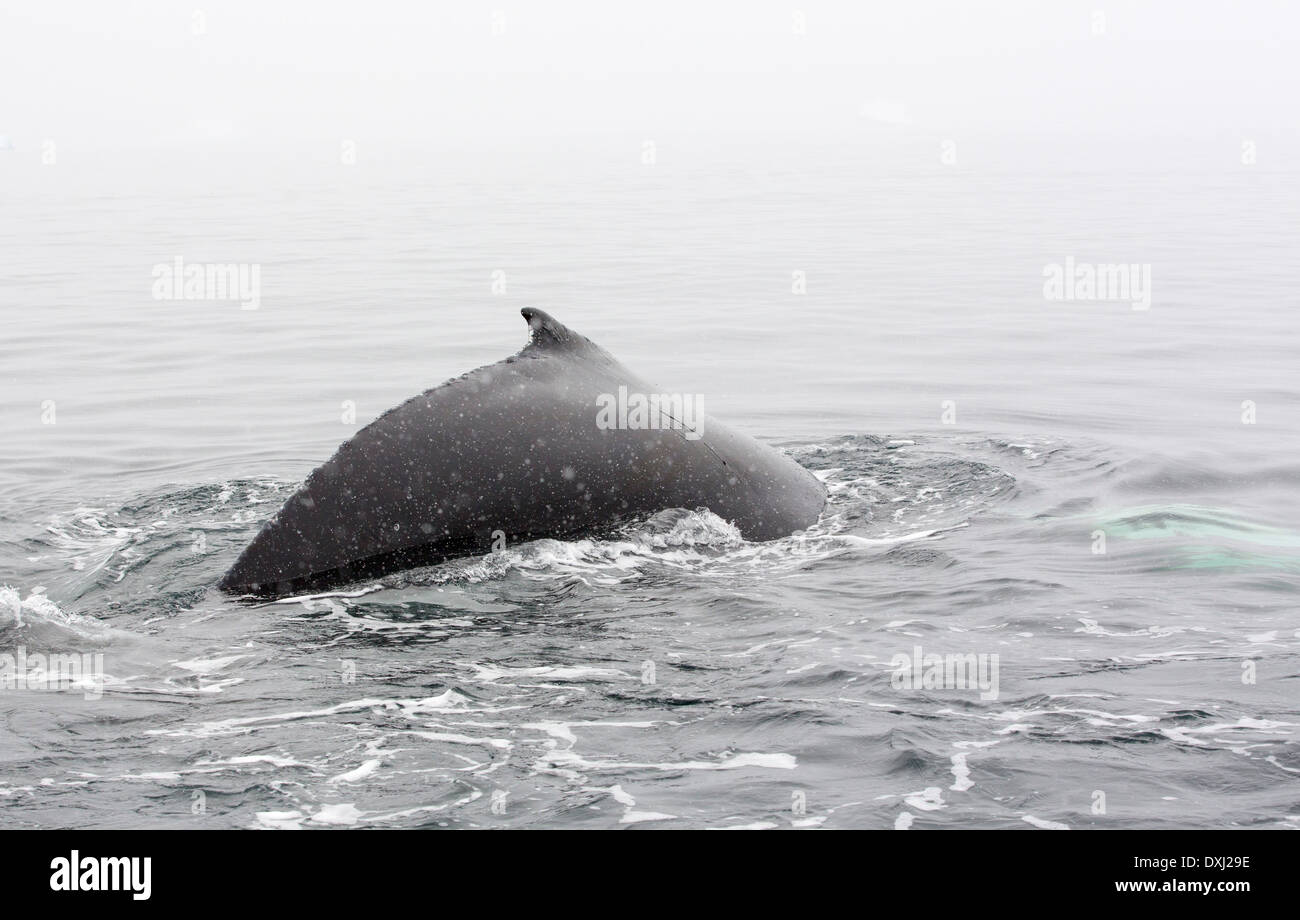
{"type": "Point", "coordinates": [266, 73]}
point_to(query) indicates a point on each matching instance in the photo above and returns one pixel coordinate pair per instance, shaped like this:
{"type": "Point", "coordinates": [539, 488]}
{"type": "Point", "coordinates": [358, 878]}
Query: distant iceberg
{"type": "Point", "coordinates": [5, 143]}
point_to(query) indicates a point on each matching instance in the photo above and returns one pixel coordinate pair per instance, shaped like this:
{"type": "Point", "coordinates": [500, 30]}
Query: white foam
{"type": "Point", "coordinates": [905, 538]}
{"type": "Point", "coordinates": [473, 796]}
{"type": "Point", "coordinates": [559, 730]}
{"type": "Point", "coordinates": [37, 610]}
{"type": "Point", "coordinates": [306, 599]}
{"type": "Point", "coordinates": [637, 817]}
{"type": "Point", "coordinates": [281, 820]}
{"type": "Point", "coordinates": [88, 541]}
{"type": "Point", "coordinates": [928, 799]}
{"type": "Point", "coordinates": [447, 701]}
{"type": "Point", "coordinates": [1013, 728]}
{"type": "Point", "coordinates": [1093, 628]}
{"type": "Point", "coordinates": [450, 738]}
{"type": "Point", "coordinates": [809, 821]}
{"type": "Point", "coordinates": [490, 673]}
{"type": "Point", "coordinates": [208, 665]}
{"type": "Point", "coordinates": [248, 759]}
{"type": "Point", "coordinates": [1245, 724]}
{"type": "Point", "coordinates": [630, 816]}
{"type": "Point", "coordinates": [734, 762]}
{"type": "Point", "coordinates": [960, 773]}
{"type": "Point", "coordinates": [1044, 825]}
{"type": "Point", "coordinates": [342, 814]}
{"type": "Point", "coordinates": [618, 795]}
{"type": "Point", "coordinates": [360, 773]}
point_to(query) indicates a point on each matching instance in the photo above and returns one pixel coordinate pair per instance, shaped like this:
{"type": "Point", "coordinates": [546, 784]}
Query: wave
{"type": "Point", "coordinates": [38, 622]}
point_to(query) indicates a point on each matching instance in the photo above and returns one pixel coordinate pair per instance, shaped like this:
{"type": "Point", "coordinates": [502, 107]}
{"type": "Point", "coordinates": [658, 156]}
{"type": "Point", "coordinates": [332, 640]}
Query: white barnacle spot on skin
{"type": "Point", "coordinates": [568, 472]}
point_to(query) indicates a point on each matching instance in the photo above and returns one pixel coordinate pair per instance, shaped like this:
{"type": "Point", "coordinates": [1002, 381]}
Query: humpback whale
{"type": "Point", "coordinates": [518, 450]}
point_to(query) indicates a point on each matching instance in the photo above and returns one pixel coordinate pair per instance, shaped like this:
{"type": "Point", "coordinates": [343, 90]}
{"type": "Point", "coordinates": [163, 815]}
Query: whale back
{"type": "Point", "coordinates": [513, 451]}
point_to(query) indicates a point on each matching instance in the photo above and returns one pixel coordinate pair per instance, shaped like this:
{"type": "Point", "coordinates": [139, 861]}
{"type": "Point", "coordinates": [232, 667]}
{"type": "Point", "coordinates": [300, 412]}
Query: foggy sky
{"type": "Point", "coordinates": [123, 75]}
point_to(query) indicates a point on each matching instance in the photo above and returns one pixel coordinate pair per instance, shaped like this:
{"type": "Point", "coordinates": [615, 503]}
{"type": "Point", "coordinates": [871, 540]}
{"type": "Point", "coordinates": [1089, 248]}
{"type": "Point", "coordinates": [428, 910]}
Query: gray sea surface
{"type": "Point", "coordinates": [1097, 501]}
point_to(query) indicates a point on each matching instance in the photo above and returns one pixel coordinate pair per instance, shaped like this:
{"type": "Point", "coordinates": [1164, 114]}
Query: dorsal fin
{"type": "Point", "coordinates": [549, 336]}
{"type": "Point", "coordinates": [549, 332]}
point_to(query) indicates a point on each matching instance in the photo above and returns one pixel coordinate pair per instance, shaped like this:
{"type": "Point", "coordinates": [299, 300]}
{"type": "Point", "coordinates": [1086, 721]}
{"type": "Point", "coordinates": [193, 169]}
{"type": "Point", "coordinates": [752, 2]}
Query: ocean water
{"type": "Point", "coordinates": [1098, 502]}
